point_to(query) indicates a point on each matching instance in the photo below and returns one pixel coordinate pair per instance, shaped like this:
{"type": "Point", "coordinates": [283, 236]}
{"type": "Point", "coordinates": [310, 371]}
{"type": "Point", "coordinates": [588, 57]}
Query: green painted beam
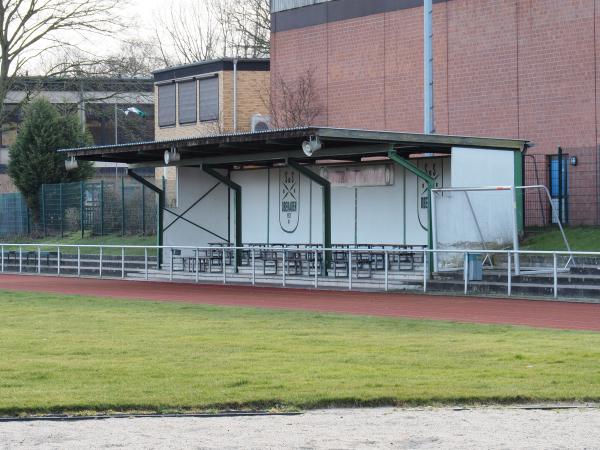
{"type": "Point", "coordinates": [238, 209]}
{"type": "Point", "coordinates": [161, 210]}
{"type": "Point", "coordinates": [326, 203]}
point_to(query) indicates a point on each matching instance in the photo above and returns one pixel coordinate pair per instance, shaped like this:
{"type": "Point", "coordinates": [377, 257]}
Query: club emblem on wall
{"type": "Point", "coordinates": [289, 199]}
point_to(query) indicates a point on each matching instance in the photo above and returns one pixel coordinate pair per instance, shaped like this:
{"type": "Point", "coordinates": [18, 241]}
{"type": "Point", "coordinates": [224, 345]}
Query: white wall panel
{"type": "Point", "coordinates": [375, 215]}
{"type": "Point", "coordinates": [210, 213]}
{"type": "Point", "coordinates": [456, 226]}
{"type": "Point", "coordinates": [255, 214]}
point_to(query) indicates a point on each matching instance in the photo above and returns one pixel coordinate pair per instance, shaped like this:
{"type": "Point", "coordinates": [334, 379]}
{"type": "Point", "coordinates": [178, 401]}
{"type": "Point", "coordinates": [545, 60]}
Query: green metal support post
{"type": "Point", "coordinates": [238, 209]}
{"type": "Point", "coordinates": [122, 206]}
{"type": "Point", "coordinates": [82, 217]}
{"type": "Point", "coordinates": [326, 204]}
{"type": "Point", "coordinates": [101, 207]}
{"type": "Point", "coordinates": [44, 208]}
{"type": "Point", "coordinates": [430, 184]}
{"type": "Point", "coordinates": [143, 210]}
{"type": "Point", "coordinates": [60, 207]}
{"type": "Point", "coordinates": [161, 210]}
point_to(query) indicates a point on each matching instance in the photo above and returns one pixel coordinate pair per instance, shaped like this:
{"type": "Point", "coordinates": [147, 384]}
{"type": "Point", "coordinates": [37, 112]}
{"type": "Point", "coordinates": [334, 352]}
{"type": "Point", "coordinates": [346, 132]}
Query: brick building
{"type": "Point", "coordinates": [208, 97]}
{"type": "Point", "coordinates": [511, 68]}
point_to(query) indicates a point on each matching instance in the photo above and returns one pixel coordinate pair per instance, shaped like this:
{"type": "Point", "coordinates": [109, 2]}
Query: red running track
{"type": "Point", "coordinates": [546, 314]}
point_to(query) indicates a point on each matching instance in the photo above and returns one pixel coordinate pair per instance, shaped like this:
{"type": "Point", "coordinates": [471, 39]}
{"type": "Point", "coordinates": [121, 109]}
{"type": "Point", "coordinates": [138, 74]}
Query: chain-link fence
{"type": "Point", "coordinates": [572, 178]}
{"type": "Point", "coordinates": [91, 208]}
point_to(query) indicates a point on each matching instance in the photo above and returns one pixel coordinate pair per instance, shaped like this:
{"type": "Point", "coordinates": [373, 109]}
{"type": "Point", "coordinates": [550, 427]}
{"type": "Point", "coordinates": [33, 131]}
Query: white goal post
{"type": "Point", "coordinates": [515, 224]}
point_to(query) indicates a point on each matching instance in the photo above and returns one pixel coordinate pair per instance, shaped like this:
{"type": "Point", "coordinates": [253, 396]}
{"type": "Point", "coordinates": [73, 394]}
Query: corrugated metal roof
{"type": "Point", "coordinates": [286, 143]}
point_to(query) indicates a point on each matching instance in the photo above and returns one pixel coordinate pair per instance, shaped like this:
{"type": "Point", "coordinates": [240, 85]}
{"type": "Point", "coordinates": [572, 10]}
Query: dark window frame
{"type": "Point", "coordinates": [174, 121]}
{"type": "Point", "coordinates": [196, 102]}
{"type": "Point", "coordinates": [214, 78]}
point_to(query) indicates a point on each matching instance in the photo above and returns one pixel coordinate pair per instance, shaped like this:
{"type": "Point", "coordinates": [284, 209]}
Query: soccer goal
{"type": "Point", "coordinates": [483, 219]}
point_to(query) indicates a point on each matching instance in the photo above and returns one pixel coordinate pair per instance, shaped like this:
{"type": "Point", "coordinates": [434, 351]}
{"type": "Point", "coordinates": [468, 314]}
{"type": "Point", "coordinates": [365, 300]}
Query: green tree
{"type": "Point", "coordinates": [34, 159]}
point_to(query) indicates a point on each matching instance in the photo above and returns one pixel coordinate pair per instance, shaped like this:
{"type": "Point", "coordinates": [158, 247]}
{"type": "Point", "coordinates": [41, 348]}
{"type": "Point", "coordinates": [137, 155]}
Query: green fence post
{"type": "Point", "coordinates": [122, 206]}
{"type": "Point", "coordinates": [44, 208]}
{"type": "Point", "coordinates": [101, 207]}
{"type": "Point", "coordinates": [143, 210]}
{"type": "Point", "coordinates": [60, 207]}
{"type": "Point", "coordinates": [28, 220]}
{"type": "Point", "coordinates": [81, 209]}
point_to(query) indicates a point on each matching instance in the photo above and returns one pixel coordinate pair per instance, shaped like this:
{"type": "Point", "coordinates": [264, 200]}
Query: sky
{"type": "Point", "coordinates": [140, 13]}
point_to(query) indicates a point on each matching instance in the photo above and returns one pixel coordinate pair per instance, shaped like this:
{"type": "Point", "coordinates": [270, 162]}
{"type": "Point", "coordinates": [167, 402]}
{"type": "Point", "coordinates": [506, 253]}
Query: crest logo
{"type": "Point", "coordinates": [289, 199]}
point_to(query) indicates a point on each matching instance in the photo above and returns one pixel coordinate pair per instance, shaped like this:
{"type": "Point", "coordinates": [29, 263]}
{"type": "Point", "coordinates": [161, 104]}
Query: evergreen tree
{"type": "Point", "coordinates": [34, 159]}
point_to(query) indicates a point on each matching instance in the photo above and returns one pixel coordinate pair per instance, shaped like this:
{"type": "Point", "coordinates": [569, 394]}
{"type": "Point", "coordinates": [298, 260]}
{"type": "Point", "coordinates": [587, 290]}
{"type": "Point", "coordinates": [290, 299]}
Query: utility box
{"type": "Point", "coordinates": [475, 266]}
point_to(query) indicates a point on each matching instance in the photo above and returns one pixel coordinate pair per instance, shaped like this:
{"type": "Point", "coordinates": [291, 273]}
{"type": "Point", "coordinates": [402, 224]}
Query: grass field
{"type": "Point", "coordinates": [81, 354]}
{"type": "Point", "coordinates": [584, 239]}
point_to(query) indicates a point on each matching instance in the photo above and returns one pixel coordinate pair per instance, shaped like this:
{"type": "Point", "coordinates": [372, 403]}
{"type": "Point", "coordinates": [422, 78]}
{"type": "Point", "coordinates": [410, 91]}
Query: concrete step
{"type": "Point", "coordinates": [245, 277]}
{"type": "Point", "coordinates": [584, 292]}
{"type": "Point", "coordinates": [564, 278]}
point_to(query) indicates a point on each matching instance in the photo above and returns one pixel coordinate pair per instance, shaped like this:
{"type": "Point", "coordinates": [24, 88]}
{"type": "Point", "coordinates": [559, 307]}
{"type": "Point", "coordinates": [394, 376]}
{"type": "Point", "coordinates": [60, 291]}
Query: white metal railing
{"type": "Point", "coordinates": [116, 261]}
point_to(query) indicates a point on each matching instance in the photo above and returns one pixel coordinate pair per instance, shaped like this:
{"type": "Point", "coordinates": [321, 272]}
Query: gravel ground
{"type": "Point", "coordinates": [485, 428]}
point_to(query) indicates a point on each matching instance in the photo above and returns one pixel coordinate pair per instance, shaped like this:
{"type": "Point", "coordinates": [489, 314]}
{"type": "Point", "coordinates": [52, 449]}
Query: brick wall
{"type": "Point", "coordinates": [508, 68]}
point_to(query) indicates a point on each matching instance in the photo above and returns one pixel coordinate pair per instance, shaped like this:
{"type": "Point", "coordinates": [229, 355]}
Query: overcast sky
{"type": "Point", "coordinates": [140, 13]}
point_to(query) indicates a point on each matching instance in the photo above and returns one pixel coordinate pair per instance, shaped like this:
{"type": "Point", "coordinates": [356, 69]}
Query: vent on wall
{"type": "Point", "coordinates": [260, 123]}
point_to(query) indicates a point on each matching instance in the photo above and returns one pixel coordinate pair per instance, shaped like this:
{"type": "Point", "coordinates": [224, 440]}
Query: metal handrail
{"type": "Point", "coordinates": [284, 251]}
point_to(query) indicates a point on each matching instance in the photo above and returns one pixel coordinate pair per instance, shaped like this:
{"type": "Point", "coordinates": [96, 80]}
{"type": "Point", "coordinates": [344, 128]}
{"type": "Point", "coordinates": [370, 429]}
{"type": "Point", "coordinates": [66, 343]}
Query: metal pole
{"type": "Point", "coordinates": [143, 210]}
{"type": "Point", "coordinates": [428, 69]}
{"type": "Point", "coordinates": [116, 142]}
{"type": "Point", "coordinates": [81, 209]}
{"type": "Point", "coordinates": [60, 207]}
{"type": "Point", "coordinates": [101, 207]}
{"type": "Point", "coordinates": [123, 206]}
{"type": "Point", "coordinates": [223, 263]}
{"type": "Point", "coordinates": [122, 262]}
{"type": "Point", "coordinates": [78, 261]}
{"type": "Point", "coordinates": [424, 270]}
{"type": "Point", "coordinates": [253, 268]}
{"type": "Point", "coordinates": [385, 255]}
{"type": "Point", "coordinates": [197, 264]}
{"type": "Point", "coordinates": [146, 262]}
{"type": "Point", "coordinates": [434, 236]}
{"type": "Point", "coordinates": [39, 260]}
{"type": "Point", "coordinates": [20, 259]}
{"type": "Point", "coordinates": [2, 256]}
{"type": "Point", "coordinates": [100, 263]}
{"type": "Point", "coordinates": [316, 271]}
{"type": "Point", "coordinates": [58, 260]}
{"type": "Point", "coordinates": [171, 267]}
{"type": "Point", "coordinates": [350, 270]}
{"type": "Point", "coordinates": [509, 274]}
{"type": "Point", "coordinates": [283, 268]}
{"type": "Point", "coordinates": [44, 208]}
{"type": "Point", "coordinates": [466, 272]}
{"type": "Point", "coordinates": [516, 232]}
{"type": "Point", "coordinates": [555, 274]}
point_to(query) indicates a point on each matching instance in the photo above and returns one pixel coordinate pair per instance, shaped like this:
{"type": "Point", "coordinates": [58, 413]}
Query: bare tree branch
{"type": "Point", "coordinates": [32, 27]}
{"type": "Point", "coordinates": [294, 103]}
{"type": "Point", "coordinates": [194, 31]}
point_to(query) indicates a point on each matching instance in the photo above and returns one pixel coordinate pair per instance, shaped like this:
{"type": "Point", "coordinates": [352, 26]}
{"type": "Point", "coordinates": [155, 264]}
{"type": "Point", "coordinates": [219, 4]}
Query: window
{"type": "Point", "coordinates": [188, 100]}
{"type": "Point", "coordinates": [166, 105]}
{"type": "Point", "coordinates": [209, 99]}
